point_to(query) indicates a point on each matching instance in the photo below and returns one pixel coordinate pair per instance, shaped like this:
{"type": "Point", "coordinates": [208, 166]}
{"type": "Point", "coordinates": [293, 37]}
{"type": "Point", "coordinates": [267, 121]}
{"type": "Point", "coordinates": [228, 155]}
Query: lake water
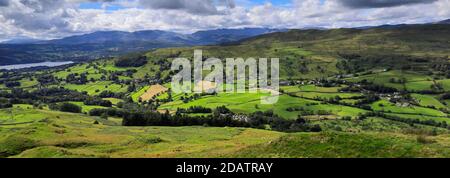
{"type": "Point", "coordinates": [41, 64]}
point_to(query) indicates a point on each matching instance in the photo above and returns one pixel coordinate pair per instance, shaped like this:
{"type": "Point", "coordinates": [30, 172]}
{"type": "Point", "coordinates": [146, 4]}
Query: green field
{"type": "Point", "coordinates": [428, 101]}
{"type": "Point", "coordinates": [386, 96]}
{"type": "Point", "coordinates": [386, 106]}
{"type": "Point", "coordinates": [135, 96]}
{"type": "Point", "coordinates": [97, 87]}
{"type": "Point", "coordinates": [75, 135]}
{"type": "Point", "coordinates": [249, 103]}
{"type": "Point", "coordinates": [339, 145]}
{"type": "Point", "coordinates": [61, 135]}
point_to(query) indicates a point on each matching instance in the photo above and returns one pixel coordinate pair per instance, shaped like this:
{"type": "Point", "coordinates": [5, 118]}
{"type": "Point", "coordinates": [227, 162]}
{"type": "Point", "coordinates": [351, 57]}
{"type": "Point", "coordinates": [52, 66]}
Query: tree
{"type": "Point", "coordinates": [12, 84]}
{"type": "Point", "coordinates": [131, 60]}
{"type": "Point", "coordinates": [69, 107]}
{"type": "Point", "coordinates": [104, 116]}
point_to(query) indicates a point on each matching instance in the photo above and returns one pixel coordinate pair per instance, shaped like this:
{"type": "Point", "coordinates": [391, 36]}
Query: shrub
{"type": "Point", "coordinates": [149, 139]}
{"type": "Point", "coordinates": [132, 60]}
{"type": "Point", "coordinates": [69, 107]}
{"type": "Point", "coordinates": [424, 140]}
{"type": "Point", "coordinates": [14, 145]}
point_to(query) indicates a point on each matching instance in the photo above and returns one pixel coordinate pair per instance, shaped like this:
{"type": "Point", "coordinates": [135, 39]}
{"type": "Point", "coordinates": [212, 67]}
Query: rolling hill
{"type": "Point", "coordinates": [372, 92]}
{"type": "Point", "coordinates": [112, 43]}
{"type": "Point", "coordinates": [326, 53]}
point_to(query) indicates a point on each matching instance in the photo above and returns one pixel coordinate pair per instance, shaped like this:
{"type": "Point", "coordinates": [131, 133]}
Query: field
{"type": "Point", "coordinates": [250, 103]}
{"type": "Point", "coordinates": [153, 91]}
{"type": "Point", "coordinates": [344, 93]}
{"type": "Point", "coordinates": [389, 107]}
{"type": "Point", "coordinates": [58, 134]}
{"type": "Point", "coordinates": [338, 145]}
{"type": "Point", "coordinates": [428, 101]}
{"type": "Point", "coordinates": [97, 87]}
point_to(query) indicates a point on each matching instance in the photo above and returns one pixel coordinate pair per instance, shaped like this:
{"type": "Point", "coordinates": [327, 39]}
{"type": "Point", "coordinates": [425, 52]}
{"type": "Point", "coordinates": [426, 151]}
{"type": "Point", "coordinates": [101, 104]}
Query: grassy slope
{"type": "Point", "coordinates": [332, 145]}
{"type": "Point", "coordinates": [250, 103]}
{"type": "Point", "coordinates": [74, 135]}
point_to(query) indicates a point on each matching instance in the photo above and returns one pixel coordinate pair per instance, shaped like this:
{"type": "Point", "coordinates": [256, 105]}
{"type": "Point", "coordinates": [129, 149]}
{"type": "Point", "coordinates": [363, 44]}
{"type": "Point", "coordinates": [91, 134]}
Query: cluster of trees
{"type": "Point", "coordinates": [221, 117]}
{"type": "Point", "coordinates": [329, 83]}
{"type": "Point", "coordinates": [350, 88]}
{"type": "Point", "coordinates": [437, 86]}
{"type": "Point", "coordinates": [445, 96]}
{"type": "Point", "coordinates": [400, 81]}
{"type": "Point", "coordinates": [5, 103]}
{"type": "Point", "coordinates": [110, 94]}
{"type": "Point", "coordinates": [194, 109]}
{"type": "Point", "coordinates": [12, 84]}
{"type": "Point", "coordinates": [305, 112]}
{"type": "Point", "coordinates": [359, 62]}
{"type": "Point", "coordinates": [66, 107]}
{"type": "Point", "coordinates": [46, 95]}
{"type": "Point", "coordinates": [368, 99]}
{"type": "Point", "coordinates": [108, 112]}
{"type": "Point", "coordinates": [378, 88]}
{"type": "Point", "coordinates": [123, 108]}
{"type": "Point", "coordinates": [131, 60]}
{"type": "Point", "coordinates": [46, 79]}
{"type": "Point", "coordinates": [187, 99]}
{"type": "Point", "coordinates": [76, 78]}
{"type": "Point", "coordinates": [95, 101]}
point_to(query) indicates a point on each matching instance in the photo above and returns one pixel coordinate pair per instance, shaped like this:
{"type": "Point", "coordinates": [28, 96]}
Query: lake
{"type": "Point", "coordinates": [41, 64]}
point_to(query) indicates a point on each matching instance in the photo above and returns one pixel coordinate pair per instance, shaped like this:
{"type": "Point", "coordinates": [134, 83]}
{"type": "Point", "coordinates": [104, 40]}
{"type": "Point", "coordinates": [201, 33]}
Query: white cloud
{"type": "Point", "coordinates": [58, 18]}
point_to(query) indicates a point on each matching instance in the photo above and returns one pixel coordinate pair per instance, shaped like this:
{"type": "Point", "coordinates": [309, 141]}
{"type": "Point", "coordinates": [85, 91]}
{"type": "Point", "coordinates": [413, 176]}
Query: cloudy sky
{"type": "Point", "coordinates": [47, 19]}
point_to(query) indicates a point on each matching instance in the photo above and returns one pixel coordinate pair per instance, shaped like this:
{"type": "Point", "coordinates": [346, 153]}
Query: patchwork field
{"type": "Point", "coordinates": [352, 93]}
{"type": "Point", "coordinates": [97, 87]}
{"type": "Point", "coordinates": [250, 103]}
{"type": "Point", "coordinates": [153, 91]}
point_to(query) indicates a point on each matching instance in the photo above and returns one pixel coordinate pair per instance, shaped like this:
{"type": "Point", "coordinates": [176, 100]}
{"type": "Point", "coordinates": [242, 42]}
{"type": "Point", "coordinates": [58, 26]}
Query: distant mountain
{"type": "Point", "coordinates": [164, 37]}
{"type": "Point", "coordinates": [229, 35]}
{"type": "Point", "coordinates": [154, 36]}
{"type": "Point", "coordinates": [444, 22]}
{"type": "Point", "coordinates": [21, 40]}
{"type": "Point", "coordinates": [395, 26]}
{"type": "Point", "coordinates": [112, 43]}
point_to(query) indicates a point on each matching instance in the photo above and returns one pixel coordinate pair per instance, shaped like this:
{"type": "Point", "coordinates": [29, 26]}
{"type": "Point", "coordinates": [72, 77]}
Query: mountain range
{"type": "Point", "coordinates": [112, 43]}
{"type": "Point", "coordinates": [208, 37]}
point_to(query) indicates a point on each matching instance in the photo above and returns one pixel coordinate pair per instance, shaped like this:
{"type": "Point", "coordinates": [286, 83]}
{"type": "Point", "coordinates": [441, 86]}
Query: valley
{"type": "Point", "coordinates": [344, 93]}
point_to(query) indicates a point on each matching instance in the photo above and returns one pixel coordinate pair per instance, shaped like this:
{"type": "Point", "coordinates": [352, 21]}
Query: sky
{"type": "Point", "coordinates": [49, 19]}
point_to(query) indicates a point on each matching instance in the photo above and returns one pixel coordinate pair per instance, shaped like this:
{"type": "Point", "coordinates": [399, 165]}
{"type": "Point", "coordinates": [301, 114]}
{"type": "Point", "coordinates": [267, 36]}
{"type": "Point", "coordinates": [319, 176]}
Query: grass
{"type": "Point", "coordinates": [428, 101]}
{"type": "Point", "coordinates": [114, 101]}
{"type": "Point", "coordinates": [314, 95]}
{"type": "Point", "coordinates": [346, 145]}
{"type": "Point", "coordinates": [422, 117]}
{"type": "Point", "coordinates": [375, 124]}
{"type": "Point", "coordinates": [75, 135]}
{"type": "Point", "coordinates": [97, 87]}
{"type": "Point", "coordinates": [29, 132]}
{"type": "Point", "coordinates": [61, 135]}
{"type": "Point", "coordinates": [92, 72]}
{"type": "Point", "coordinates": [135, 96]}
{"type": "Point", "coordinates": [309, 88]}
{"type": "Point", "coordinates": [20, 114]}
{"type": "Point", "coordinates": [87, 108]}
{"type": "Point", "coordinates": [250, 103]}
{"type": "Point", "coordinates": [414, 81]}
{"type": "Point", "coordinates": [388, 107]}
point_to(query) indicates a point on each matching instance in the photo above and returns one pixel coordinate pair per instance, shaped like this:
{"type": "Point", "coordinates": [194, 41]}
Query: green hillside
{"type": "Point", "coordinates": [380, 92]}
